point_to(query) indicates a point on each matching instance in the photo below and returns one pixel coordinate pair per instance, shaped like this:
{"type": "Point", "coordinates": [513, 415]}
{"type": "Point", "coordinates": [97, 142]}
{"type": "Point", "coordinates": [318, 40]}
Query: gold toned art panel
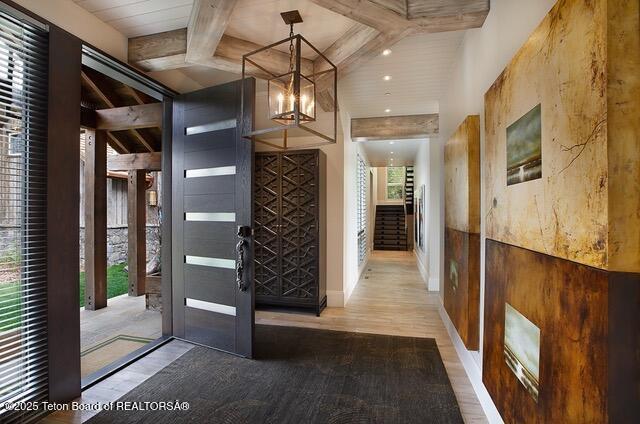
{"type": "Point", "coordinates": [579, 195]}
{"type": "Point", "coordinates": [462, 177]}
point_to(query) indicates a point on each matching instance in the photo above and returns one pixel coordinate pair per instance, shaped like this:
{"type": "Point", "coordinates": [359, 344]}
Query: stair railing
{"type": "Point", "coordinates": [404, 201]}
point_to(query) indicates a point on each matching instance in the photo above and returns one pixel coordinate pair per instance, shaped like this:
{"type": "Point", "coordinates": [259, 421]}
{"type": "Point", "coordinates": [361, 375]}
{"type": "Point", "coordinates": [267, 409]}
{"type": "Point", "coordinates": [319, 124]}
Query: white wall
{"type": "Point", "coordinates": [352, 270]}
{"type": "Point", "coordinates": [335, 205]}
{"type": "Point", "coordinates": [420, 177]}
{"type": "Point", "coordinates": [483, 55]}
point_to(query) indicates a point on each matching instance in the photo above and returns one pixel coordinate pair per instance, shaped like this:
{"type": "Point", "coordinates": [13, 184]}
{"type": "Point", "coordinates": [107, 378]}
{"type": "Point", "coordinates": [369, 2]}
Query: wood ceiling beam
{"type": "Point", "coordinates": [394, 127]}
{"type": "Point", "coordinates": [432, 16]}
{"type": "Point", "coordinates": [422, 15]}
{"type": "Point", "coordinates": [129, 117]}
{"type": "Point", "coordinates": [159, 52]}
{"type": "Point", "coordinates": [365, 12]}
{"type": "Point", "coordinates": [382, 23]}
{"type": "Point", "coordinates": [228, 56]}
{"type": "Point", "coordinates": [398, 6]}
{"type": "Point", "coordinates": [207, 23]}
{"type": "Point", "coordinates": [135, 161]}
{"type": "Point", "coordinates": [344, 47]}
{"type": "Point", "coordinates": [169, 50]}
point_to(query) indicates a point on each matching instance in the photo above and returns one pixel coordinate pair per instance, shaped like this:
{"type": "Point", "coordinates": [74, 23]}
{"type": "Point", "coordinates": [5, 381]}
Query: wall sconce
{"type": "Point", "coordinates": [153, 198]}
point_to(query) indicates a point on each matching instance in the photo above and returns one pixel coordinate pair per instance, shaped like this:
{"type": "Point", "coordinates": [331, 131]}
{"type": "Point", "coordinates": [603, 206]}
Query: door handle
{"type": "Point", "coordinates": [244, 232]}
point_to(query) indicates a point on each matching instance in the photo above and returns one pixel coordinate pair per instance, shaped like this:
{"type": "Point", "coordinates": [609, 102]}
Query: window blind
{"type": "Point", "coordinates": [362, 209]}
{"type": "Point", "coordinates": [23, 172]}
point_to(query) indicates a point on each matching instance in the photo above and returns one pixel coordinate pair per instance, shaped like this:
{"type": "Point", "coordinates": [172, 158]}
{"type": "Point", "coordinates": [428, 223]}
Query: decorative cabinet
{"type": "Point", "coordinates": [289, 229]}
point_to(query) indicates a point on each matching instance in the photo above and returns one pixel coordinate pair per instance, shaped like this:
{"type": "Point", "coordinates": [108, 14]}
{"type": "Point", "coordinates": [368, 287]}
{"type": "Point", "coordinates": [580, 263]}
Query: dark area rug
{"type": "Point", "coordinates": [303, 375]}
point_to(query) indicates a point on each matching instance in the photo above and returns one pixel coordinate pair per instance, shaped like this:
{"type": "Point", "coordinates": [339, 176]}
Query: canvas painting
{"type": "Point", "coordinates": [524, 148]}
{"type": "Point", "coordinates": [421, 218]}
{"type": "Point", "coordinates": [522, 349]}
{"type": "Point", "coordinates": [453, 274]}
{"type": "Point", "coordinates": [415, 217]}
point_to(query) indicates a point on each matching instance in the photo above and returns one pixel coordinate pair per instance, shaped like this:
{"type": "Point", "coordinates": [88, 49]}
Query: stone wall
{"type": "Point", "coordinates": [117, 244]}
{"type": "Point", "coordinates": [8, 244]}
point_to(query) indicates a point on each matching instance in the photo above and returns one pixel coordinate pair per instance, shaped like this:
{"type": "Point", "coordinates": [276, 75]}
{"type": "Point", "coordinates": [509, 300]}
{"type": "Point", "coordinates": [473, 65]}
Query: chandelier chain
{"type": "Point", "coordinates": [291, 64]}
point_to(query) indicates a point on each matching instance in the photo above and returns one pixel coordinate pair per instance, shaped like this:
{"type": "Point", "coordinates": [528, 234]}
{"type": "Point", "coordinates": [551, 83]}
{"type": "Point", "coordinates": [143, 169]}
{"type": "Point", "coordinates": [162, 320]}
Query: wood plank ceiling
{"type": "Point", "coordinates": [167, 34]}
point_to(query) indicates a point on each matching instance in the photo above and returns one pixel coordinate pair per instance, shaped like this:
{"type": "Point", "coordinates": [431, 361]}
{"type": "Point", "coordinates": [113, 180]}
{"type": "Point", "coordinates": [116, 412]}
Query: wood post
{"type": "Point", "coordinates": [95, 218]}
{"type": "Point", "coordinates": [137, 220]}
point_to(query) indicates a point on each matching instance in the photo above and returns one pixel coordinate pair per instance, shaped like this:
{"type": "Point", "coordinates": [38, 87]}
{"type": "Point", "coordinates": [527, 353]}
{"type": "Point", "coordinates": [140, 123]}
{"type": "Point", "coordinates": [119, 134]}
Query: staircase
{"type": "Point", "coordinates": [408, 189]}
{"type": "Point", "coordinates": [390, 233]}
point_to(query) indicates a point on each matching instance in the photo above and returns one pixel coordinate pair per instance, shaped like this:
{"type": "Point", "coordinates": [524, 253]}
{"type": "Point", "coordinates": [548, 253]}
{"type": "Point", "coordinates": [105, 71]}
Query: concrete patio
{"type": "Point", "coordinates": [110, 333]}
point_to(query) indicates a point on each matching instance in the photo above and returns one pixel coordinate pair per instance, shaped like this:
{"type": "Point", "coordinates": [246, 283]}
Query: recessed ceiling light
{"type": "Point", "coordinates": [386, 77]}
{"type": "Point", "coordinates": [391, 142]}
{"type": "Point", "coordinates": [386, 52]}
{"type": "Point", "coordinates": [387, 110]}
{"type": "Point", "coordinates": [391, 152]}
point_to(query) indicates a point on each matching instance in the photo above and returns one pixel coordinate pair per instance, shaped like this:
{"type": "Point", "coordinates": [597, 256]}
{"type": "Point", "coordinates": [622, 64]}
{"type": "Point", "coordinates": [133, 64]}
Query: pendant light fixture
{"type": "Point", "coordinates": [296, 76]}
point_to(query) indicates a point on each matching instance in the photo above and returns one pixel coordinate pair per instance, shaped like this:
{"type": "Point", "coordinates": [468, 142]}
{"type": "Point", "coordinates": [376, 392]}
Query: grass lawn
{"type": "Point", "coordinates": [10, 299]}
{"type": "Point", "coordinates": [117, 282]}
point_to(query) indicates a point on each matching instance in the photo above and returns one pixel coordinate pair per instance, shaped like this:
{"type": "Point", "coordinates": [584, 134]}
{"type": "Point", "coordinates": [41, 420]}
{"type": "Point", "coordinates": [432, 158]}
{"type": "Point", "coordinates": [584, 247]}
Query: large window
{"type": "Point", "coordinates": [23, 286]}
{"type": "Point", "coordinates": [395, 182]}
{"type": "Point", "coordinates": [362, 209]}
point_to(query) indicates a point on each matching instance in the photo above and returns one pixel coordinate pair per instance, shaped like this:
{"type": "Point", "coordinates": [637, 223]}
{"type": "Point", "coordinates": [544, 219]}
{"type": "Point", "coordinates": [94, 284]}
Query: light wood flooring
{"type": "Point", "coordinates": [391, 298]}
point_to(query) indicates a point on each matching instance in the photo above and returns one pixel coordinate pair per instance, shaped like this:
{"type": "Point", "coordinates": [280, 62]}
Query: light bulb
{"type": "Point", "coordinates": [280, 102]}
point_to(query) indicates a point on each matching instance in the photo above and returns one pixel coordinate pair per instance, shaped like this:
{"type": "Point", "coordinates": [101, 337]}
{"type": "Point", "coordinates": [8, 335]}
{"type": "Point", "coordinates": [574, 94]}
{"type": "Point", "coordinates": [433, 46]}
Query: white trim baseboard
{"type": "Point", "coordinates": [335, 299]}
{"type": "Point", "coordinates": [472, 369]}
{"type": "Point", "coordinates": [423, 272]}
{"type": "Point", "coordinates": [434, 284]}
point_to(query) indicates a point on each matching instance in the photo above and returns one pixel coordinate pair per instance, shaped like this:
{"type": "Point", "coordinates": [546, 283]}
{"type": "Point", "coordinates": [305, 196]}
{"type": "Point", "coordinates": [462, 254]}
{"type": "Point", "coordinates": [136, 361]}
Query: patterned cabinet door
{"type": "Point", "coordinates": [266, 210]}
{"type": "Point", "coordinates": [299, 226]}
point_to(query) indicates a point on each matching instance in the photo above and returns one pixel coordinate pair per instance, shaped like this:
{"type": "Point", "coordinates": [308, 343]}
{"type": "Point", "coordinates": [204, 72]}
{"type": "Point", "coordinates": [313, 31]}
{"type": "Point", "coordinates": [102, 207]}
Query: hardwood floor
{"type": "Point", "coordinates": [391, 298]}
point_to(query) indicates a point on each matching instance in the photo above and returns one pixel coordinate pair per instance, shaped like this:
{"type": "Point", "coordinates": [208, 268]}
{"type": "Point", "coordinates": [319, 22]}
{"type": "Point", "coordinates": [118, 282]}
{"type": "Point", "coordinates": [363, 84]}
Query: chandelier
{"type": "Point", "coordinates": [288, 113]}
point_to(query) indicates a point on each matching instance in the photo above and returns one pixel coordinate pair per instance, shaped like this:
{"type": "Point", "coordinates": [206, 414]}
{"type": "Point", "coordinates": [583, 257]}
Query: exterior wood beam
{"type": "Point", "coordinates": [135, 161]}
{"type": "Point", "coordinates": [95, 218]}
{"type": "Point", "coordinates": [130, 117]}
{"type": "Point", "coordinates": [107, 100]}
{"type": "Point", "coordinates": [137, 220]}
{"type": "Point", "coordinates": [117, 144]}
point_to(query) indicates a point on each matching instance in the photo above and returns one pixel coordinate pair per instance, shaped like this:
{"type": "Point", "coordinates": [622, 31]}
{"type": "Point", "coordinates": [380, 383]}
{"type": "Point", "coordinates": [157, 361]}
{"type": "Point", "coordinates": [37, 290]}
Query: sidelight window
{"type": "Point", "coordinates": [23, 286]}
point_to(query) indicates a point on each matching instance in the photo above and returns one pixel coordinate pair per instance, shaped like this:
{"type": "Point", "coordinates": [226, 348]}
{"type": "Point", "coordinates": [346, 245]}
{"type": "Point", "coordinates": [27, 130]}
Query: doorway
{"type": "Point", "coordinates": [121, 220]}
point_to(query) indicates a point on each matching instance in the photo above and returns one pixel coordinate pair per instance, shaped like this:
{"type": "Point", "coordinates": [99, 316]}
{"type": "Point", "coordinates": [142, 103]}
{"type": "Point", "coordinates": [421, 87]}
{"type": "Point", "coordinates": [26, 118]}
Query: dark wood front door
{"type": "Point", "coordinates": [213, 291]}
